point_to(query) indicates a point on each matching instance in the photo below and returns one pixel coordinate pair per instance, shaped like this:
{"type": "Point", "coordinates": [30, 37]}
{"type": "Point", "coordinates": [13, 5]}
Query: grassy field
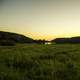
{"type": "Point", "coordinates": [40, 62]}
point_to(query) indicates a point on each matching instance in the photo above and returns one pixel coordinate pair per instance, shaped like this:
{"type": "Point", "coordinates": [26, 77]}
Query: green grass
{"type": "Point", "coordinates": [40, 62]}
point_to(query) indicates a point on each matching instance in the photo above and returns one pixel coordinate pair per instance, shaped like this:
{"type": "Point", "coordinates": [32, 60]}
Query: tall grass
{"type": "Point", "coordinates": [40, 62]}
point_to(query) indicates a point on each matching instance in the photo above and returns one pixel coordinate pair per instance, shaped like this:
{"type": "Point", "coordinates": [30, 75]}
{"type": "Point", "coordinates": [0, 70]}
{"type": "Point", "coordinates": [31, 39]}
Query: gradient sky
{"type": "Point", "coordinates": [41, 19]}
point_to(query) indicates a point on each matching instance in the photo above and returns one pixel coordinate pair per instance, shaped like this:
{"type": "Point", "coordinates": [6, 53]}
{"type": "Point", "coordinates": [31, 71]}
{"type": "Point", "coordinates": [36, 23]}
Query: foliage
{"type": "Point", "coordinates": [40, 62]}
{"type": "Point", "coordinates": [7, 42]}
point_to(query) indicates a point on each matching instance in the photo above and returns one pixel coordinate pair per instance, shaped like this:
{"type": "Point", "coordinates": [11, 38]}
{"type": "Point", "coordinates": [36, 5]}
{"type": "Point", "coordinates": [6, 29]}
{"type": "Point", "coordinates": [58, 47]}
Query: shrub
{"type": "Point", "coordinates": [7, 43]}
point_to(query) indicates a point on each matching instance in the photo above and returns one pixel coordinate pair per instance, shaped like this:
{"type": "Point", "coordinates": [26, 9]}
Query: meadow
{"type": "Point", "coordinates": [40, 62]}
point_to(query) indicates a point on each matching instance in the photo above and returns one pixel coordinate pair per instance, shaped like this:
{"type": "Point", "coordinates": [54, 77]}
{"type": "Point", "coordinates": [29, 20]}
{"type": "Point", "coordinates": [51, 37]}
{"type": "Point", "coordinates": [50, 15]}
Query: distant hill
{"type": "Point", "coordinates": [8, 37]}
{"type": "Point", "coordinates": [67, 40]}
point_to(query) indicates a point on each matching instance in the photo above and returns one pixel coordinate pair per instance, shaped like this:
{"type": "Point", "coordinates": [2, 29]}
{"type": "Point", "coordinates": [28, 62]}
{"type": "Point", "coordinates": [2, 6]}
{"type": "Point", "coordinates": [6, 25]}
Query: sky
{"type": "Point", "coordinates": [41, 19]}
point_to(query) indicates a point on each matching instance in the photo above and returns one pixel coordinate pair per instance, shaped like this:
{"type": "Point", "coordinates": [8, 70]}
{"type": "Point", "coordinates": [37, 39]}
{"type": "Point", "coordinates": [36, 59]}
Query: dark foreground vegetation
{"type": "Point", "coordinates": [40, 62]}
{"type": "Point", "coordinates": [22, 58]}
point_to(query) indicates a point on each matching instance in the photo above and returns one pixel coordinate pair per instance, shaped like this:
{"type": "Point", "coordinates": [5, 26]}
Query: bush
{"type": "Point", "coordinates": [7, 43]}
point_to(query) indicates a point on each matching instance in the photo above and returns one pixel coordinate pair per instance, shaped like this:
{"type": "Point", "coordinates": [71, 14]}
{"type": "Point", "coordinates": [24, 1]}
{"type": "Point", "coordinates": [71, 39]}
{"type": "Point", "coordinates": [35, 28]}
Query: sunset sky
{"type": "Point", "coordinates": [41, 19]}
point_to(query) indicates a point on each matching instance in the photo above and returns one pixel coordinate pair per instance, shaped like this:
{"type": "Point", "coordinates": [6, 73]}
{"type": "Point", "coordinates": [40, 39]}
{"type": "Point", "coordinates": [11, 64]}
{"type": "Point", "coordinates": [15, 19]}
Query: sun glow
{"type": "Point", "coordinates": [41, 19]}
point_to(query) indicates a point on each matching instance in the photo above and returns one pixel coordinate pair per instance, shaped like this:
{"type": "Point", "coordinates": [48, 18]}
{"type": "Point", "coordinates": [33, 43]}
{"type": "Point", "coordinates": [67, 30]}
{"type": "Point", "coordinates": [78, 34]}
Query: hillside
{"type": "Point", "coordinates": [67, 40]}
{"type": "Point", "coordinates": [9, 37]}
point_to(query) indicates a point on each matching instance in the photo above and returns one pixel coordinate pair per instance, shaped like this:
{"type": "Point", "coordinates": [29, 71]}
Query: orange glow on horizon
{"type": "Point", "coordinates": [41, 19]}
{"type": "Point", "coordinates": [50, 36]}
